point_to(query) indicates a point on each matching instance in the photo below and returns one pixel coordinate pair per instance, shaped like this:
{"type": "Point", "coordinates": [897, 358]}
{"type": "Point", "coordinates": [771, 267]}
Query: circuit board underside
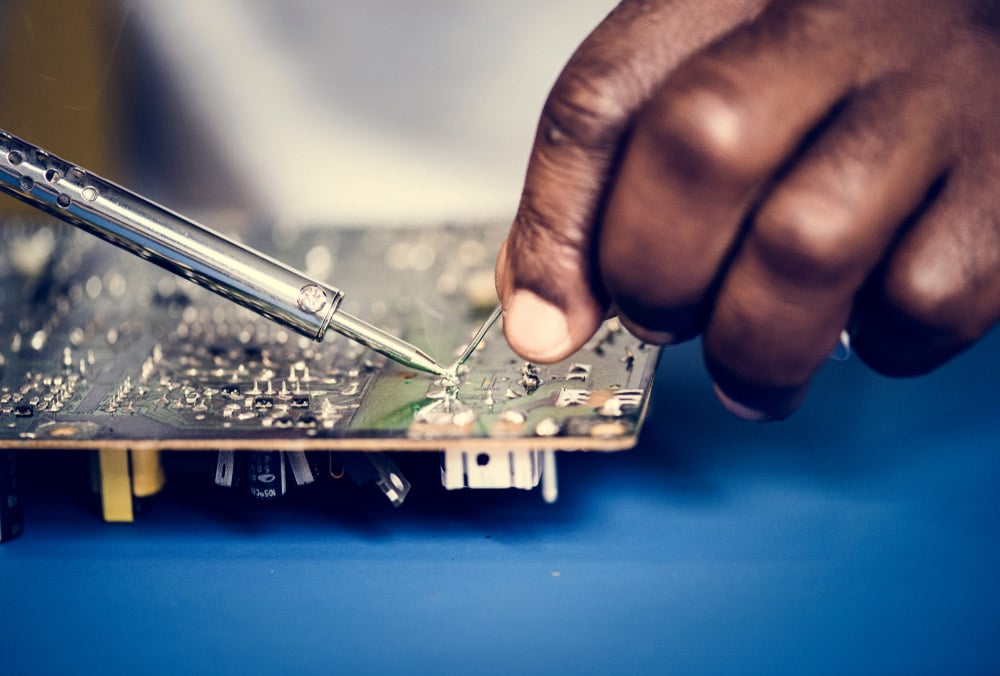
{"type": "Point", "coordinates": [100, 350]}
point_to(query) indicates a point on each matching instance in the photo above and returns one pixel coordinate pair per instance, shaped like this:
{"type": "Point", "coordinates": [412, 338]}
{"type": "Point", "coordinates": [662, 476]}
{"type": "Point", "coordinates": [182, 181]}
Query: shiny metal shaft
{"type": "Point", "coordinates": [380, 341]}
{"type": "Point", "coordinates": [182, 246]}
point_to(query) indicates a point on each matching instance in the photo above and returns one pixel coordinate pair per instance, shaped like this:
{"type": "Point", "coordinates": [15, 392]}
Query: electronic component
{"type": "Point", "coordinates": [102, 352]}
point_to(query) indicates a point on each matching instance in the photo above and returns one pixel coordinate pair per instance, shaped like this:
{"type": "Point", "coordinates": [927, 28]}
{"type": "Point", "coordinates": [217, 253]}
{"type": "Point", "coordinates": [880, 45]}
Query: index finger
{"type": "Point", "coordinates": [546, 276]}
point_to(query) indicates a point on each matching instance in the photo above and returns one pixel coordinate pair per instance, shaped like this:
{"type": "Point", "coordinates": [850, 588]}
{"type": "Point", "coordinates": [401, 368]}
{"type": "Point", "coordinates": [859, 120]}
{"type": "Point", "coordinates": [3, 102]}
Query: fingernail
{"type": "Point", "coordinates": [740, 410]}
{"type": "Point", "coordinates": [535, 327]}
{"type": "Point", "coordinates": [646, 335]}
{"type": "Point", "coordinates": [658, 337]}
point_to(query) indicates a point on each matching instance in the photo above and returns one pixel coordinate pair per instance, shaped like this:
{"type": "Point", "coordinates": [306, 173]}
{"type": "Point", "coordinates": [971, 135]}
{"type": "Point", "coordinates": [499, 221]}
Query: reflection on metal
{"type": "Point", "coordinates": [186, 248]}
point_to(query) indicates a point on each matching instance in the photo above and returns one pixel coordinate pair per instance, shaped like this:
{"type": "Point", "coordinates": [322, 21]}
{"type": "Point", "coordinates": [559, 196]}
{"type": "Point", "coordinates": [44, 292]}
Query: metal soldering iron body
{"type": "Point", "coordinates": [182, 246]}
{"type": "Point", "coordinates": [385, 343]}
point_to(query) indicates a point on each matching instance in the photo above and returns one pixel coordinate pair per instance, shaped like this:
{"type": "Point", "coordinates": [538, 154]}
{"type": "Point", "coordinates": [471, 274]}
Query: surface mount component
{"type": "Point", "coordinates": [100, 351]}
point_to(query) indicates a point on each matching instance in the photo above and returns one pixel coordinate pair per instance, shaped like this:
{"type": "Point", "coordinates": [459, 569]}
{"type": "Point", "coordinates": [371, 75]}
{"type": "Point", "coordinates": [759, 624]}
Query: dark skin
{"type": "Point", "coordinates": [765, 174]}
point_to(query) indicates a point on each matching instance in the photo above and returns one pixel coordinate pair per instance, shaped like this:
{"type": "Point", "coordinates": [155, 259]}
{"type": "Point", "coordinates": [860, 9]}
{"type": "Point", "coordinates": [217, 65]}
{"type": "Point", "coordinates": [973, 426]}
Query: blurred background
{"type": "Point", "coordinates": [315, 112]}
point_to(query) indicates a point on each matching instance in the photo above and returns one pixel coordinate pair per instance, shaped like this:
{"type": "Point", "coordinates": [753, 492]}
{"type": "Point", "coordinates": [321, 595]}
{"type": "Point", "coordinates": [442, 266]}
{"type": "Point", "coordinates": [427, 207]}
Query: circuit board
{"type": "Point", "coordinates": [100, 350]}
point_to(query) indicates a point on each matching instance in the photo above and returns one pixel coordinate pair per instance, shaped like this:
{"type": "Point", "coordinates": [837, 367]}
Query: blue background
{"type": "Point", "coordinates": [860, 536]}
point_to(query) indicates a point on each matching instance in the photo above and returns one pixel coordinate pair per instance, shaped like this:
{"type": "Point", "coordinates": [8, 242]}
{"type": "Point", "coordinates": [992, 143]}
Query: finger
{"type": "Point", "coordinates": [790, 288]}
{"type": "Point", "coordinates": [703, 148]}
{"type": "Point", "coordinates": [645, 335]}
{"type": "Point", "coordinates": [553, 300]}
{"type": "Point", "coordinates": [940, 291]}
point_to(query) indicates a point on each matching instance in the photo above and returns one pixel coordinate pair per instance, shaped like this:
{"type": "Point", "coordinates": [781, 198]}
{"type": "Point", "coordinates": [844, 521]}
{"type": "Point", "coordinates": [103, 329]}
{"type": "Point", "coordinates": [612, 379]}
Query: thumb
{"type": "Point", "coordinates": [547, 276]}
{"type": "Point", "coordinates": [540, 329]}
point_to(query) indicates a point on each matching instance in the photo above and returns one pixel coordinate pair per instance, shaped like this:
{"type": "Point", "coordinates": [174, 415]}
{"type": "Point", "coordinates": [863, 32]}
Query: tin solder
{"type": "Point", "coordinates": [179, 245]}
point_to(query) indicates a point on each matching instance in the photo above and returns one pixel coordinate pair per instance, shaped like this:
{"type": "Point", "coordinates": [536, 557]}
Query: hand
{"type": "Point", "coordinates": [767, 174]}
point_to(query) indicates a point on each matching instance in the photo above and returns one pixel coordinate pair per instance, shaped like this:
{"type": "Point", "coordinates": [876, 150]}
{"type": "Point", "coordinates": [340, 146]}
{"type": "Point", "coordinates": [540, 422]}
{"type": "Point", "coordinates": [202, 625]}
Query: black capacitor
{"type": "Point", "coordinates": [266, 474]}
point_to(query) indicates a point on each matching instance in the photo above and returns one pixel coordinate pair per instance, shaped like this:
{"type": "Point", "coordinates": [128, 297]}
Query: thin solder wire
{"type": "Point", "coordinates": [476, 339]}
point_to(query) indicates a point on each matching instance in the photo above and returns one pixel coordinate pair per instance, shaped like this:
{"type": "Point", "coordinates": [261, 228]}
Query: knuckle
{"type": "Point", "coordinates": [588, 106]}
{"type": "Point", "coordinates": [538, 249]}
{"type": "Point", "coordinates": [699, 125]}
{"type": "Point", "coordinates": [939, 298]}
{"type": "Point", "coordinates": [807, 236]}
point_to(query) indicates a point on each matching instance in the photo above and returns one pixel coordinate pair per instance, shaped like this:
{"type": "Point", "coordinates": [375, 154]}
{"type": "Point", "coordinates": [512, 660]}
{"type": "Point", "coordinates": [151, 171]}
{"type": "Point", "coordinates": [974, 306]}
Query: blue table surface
{"type": "Point", "coordinates": [860, 536]}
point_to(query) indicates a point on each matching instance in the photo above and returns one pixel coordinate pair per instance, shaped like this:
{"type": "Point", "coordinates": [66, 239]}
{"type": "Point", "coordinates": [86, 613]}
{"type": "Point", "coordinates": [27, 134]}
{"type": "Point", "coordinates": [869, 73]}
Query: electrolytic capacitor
{"type": "Point", "coordinates": [266, 476]}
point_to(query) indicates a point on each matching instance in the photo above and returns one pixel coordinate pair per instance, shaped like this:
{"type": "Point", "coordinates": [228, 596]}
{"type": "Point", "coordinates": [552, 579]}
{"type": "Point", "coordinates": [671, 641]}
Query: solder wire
{"type": "Point", "coordinates": [476, 340]}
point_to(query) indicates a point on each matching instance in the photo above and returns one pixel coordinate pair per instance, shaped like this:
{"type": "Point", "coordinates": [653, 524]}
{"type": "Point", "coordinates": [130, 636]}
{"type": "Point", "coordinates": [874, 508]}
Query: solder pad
{"type": "Point", "coordinates": [99, 349]}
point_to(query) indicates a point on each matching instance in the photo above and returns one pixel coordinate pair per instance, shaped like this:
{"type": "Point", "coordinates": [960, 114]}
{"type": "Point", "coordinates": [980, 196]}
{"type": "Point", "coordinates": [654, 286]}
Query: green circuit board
{"type": "Point", "coordinates": [100, 349]}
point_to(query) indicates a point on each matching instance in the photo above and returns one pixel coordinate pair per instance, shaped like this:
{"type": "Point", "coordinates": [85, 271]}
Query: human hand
{"type": "Point", "coordinates": [765, 174]}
